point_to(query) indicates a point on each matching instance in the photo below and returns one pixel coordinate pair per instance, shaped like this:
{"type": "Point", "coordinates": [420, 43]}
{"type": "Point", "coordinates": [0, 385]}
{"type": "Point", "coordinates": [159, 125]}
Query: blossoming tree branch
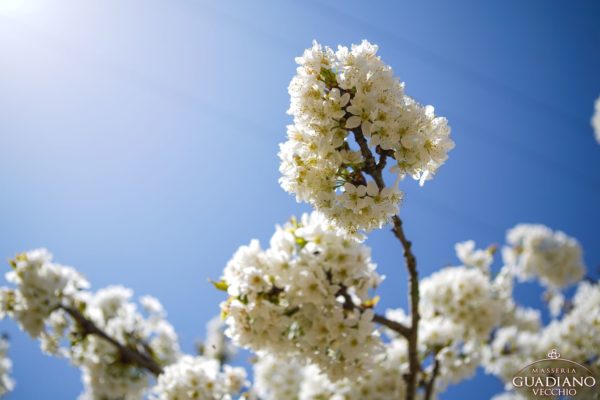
{"type": "Point", "coordinates": [306, 305]}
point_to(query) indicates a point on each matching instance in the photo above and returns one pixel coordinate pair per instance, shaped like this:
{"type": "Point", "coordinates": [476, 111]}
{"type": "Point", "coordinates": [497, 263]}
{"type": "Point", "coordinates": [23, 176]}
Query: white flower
{"type": "Point", "coordinates": [198, 378]}
{"type": "Point", "coordinates": [7, 383]}
{"type": "Point", "coordinates": [471, 257]}
{"type": "Point", "coordinates": [41, 287]}
{"type": "Point", "coordinates": [510, 350]}
{"type": "Point", "coordinates": [596, 119]}
{"type": "Point", "coordinates": [576, 334]}
{"type": "Point", "coordinates": [337, 98]}
{"type": "Point", "coordinates": [465, 297]}
{"type": "Point", "coordinates": [39, 301]}
{"type": "Point", "coordinates": [525, 341]}
{"type": "Point", "coordinates": [287, 299]}
{"type": "Point", "coordinates": [103, 373]}
{"type": "Point", "coordinates": [216, 345]}
{"type": "Point", "coordinates": [536, 251]}
{"type": "Point", "coordinates": [281, 378]}
{"type": "Point", "coordinates": [276, 379]}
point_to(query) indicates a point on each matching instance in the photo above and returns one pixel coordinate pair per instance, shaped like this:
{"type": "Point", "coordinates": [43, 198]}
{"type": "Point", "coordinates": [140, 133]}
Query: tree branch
{"type": "Point", "coordinates": [374, 169]}
{"type": "Point", "coordinates": [430, 385]}
{"type": "Point", "coordinates": [128, 354]}
{"type": "Point", "coordinates": [370, 166]}
{"type": "Point", "coordinates": [379, 319]}
{"type": "Point", "coordinates": [393, 325]}
{"type": "Point", "coordinates": [411, 265]}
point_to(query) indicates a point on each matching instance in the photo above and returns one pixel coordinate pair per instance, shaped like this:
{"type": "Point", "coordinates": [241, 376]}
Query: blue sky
{"type": "Point", "coordinates": [139, 138]}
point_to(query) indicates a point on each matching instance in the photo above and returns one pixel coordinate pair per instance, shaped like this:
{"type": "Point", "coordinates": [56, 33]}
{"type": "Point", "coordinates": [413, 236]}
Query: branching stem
{"type": "Point", "coordinates": [127, 354]}
{"type": "Point", "coordinates": [375, 170]}
{"type": "Point", "coordinates": [430, 385]}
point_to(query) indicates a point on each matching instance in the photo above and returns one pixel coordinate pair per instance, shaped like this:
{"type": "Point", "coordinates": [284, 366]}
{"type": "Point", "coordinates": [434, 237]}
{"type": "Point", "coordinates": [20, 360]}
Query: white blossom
{"type": "Point", "coordinates": [198, 378]}
{"type": "Point", "coordinates": [280, 378]}
{"type": "Point", "coordinates": [41, 301]}
{"type": "Point", "coordinates": [472, 257]}
{"type": "Point", "coordinates": [339, 99]}
{"type": "Point", "coordinates": [464, 297]}
{"type": "Point", "coordinates": [276, 378]}
{"type": "Point", "coordinates": [41, 287]}
{"type": "Point", "coordinates": [287, 299]}
{"type": "Point", "coordinates": [104, 375]}
{"type": "Point", "coordinates": [596, 119]}
{"type": "Point", "coordinates": [7, 383]}
{"type": "Point", "coordinates": [216, 345]}
{"type": "Point", "coordinates": [535, 251]}
{"type": "Point", "coordinates": [510, 350]}
{"type": "Point", "coordinates": [575, 334]}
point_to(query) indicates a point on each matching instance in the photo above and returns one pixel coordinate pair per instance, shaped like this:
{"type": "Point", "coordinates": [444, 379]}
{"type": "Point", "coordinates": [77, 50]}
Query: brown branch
{"type": "Point", "coordinates": [375, 170]}
{"type": "Point", "coordinates": [370, 166]}
{"type": "Point", "coordinates": [411, 265]}
{"type": "Point", "coordinates": [128, 354]}
{"type": "Point", "coordinates": [393, 325]}
{"type": "Point", "coordinates": [379, 319]}
{"type": "Point", "coordinates": [430, 385]}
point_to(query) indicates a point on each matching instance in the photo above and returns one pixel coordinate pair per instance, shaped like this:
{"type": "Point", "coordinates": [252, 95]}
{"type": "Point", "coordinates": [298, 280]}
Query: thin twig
{"type": "Point", "coordinates": [379, 319]}
{"type": "Point", "coordinates": [128, 354]}
{"type": "Point", "coordinates": [430, 386]}
{"type": "Point", "coordinates": [393, 325]}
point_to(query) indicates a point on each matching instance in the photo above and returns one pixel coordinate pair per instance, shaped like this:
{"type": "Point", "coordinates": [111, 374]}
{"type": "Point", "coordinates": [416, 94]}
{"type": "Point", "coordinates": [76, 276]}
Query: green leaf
{"type": "Point", "coordinates": [220, 285]}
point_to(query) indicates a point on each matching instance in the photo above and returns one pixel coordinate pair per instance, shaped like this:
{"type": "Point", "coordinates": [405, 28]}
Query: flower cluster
{"type": "Point", "coordinates": [216, 345]}
{"type": "Point", "coordinates": [596, 119]}
{"type": "Point", "coordinates": [298, 298]}
{"type": "Point", "coordinates": [459, 308]}
{"type": "Point", "coordinates": [199, 378]}
{"type": "Point", "coordinates": [535, 251]}
{"type": "Point", "coordinates": [347, 105]}
{"type": "Point", "coordinates": [525, 341]}
{"type": "Point", "coordinates": [464, 299]}
{"type": "Point", "coordinates": [7, 383]}
{"type": "Point", "coordinates": [509, 351]}
{"type": "Point", "coordinates": [576, 334]}
{"type": "Point", "coordinates": [43, 303]}
{"type": "Point", "coordinates": [279, 378]}
{"type": "Point", "coordinates": [105, 374]}
{"type": "Point", "coordinates": [472, 257]}
{"type": "Point", "coordinates": [42, 286]}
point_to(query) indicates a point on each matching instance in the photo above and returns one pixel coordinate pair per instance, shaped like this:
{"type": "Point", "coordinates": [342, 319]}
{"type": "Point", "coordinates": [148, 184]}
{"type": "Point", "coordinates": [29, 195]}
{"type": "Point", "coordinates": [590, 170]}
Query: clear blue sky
{"type": "Point", "coordinates": [138, 139]}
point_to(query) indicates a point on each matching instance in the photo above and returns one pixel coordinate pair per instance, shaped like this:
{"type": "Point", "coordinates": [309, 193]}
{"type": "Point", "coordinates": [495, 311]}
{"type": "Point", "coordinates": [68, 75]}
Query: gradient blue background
{"type": "Point", "coordinates": [138, 139]}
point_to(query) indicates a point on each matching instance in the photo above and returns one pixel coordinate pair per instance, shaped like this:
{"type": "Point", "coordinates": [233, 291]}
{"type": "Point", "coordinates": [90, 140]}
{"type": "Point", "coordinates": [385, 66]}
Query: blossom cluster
{"type": "Point", "coordinates": [105, 375]}
{"type": "Point", "coordinates": [42, 286]}
{"type": "Point", "coordinates": [300, 297]}
{"type": "Point", "coordinates": [7, 383]}
{"type": "Point", "coordinates": [462, 298]}
{"type": "Point", "coordinates": [45, 295]}
{"type": "Point", "coordinates": [280, 378]}
{"type": "Point", "coordinates": [199, 378]}
{"type": "Point", "coordinates": [347, 105]}
{"type": "Point", "coordinates": [575, 334]}
{"type": "Point", "coordinates": [535, 251]}
{"type": "Point", "coordinates": [460, 306]}
{"type": "Point", "coordinates": [216, 345]}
